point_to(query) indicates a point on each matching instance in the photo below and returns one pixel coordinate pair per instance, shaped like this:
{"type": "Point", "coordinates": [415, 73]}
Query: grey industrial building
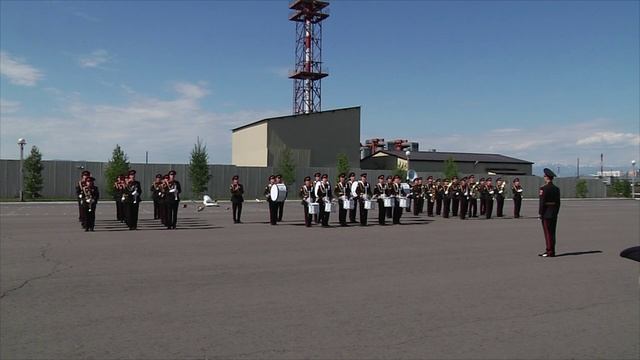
{"type": "Point", "coordinates": [433, 161]}
{"type": "Point", "coordinates": [314, 139]}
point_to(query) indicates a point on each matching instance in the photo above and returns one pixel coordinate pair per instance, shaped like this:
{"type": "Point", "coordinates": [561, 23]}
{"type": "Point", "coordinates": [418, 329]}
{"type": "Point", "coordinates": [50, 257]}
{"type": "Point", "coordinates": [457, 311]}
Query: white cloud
{"type": "Point", "coordinates": [95, 59]}
{"type": "Point", "coordinates": [280, 71]}
{"type": "Point", "coordinates": [191, 91]}
{"type": "Point", "coordinates": [610, 138]}
{"type": "Point", "coordinates": [8, 106]}
{"type": "Point", "coordinates": [17, 71]}
{"type": "Point", "coordinates": [167, 128]}
{"type": "Point", "coordinates": [561, 144]}
{"type": "Point", "coordinates": [86, 16]}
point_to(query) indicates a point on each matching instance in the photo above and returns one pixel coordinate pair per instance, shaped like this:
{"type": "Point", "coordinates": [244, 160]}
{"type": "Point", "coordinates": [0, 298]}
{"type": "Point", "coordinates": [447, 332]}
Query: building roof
{"type": "Point", "coordinates": [286, 116]}
{"type": "Point", "coordinates": [457, 156]}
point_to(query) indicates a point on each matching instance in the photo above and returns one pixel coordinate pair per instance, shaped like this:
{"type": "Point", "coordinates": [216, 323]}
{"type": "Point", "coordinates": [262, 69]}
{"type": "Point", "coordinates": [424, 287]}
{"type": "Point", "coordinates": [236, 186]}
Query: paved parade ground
{"type": "Point", "coordinates": [432, 288]}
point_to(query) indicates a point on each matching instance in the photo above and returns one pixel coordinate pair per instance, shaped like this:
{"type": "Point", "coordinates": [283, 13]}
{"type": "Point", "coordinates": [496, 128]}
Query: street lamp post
{"type": "Point", "coordinates": [21, 142]}
{"type": "Point", "coordinates": [408, 153]}
{"type": "Point", "coordinates": [633, 179]}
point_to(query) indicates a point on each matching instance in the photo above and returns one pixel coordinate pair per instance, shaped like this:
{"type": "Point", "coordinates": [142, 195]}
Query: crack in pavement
{"type": "Point", "coordinates": [53, 271]}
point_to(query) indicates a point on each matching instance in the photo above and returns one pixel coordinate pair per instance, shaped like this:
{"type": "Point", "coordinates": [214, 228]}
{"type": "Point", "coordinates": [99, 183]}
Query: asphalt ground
{"type": "Point", "coordinates": [432, 288]}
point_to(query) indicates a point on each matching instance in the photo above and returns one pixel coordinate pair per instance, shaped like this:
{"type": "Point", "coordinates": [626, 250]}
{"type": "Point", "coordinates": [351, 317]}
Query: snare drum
{"type": "Point", "coordinates": [389, 202]}
{"type": "Point", "coordinates": [278, 192]}
{"type": "Point", "coordinates": [328, 207]}
{"type": "Point", "coordinates": [405, 202]}
{"type": "Point", "coordinates": [348, 204]}
{"type": "Point", "coordinates": [405, 188]}
{"type": "Point", "coordinates": [314, 208]}
{"type": "Point", "coordinates": [368, 205]}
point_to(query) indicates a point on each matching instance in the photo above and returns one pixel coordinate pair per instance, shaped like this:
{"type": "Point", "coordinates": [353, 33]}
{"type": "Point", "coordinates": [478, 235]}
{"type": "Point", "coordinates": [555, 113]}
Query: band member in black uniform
{"type": "Point", "coordinates": [439, 196]}
{"type": "Point", "coordinates": [280, 203]}
{"type": "Point", "coordinates": [446, 199]}
{"type": "Point", "coordinates": [500, 186]}
{"type": "Point", "coordinates": [380, 193]}
{"type": "Point", "coordinates": [119, 196]}
{"type": "Point", "coordinates": [155, 195]}
{"type": "Point", "coordinates": [473, 194]}
{"type": "Point", "coordinates": [418, 196]}
{"type": "Point", "coordinates": [352, 212]}
{"type": "Point", "coordinates": [237, 198]}
{"type": "Point", "coordinates": [548, 211]}
{"type": "Point", "coordinates": [464, 198]}
{"type": "Point", "coordinates": [389, 210]}
{"type": "Point", "coordinates": [363, 192]}
{"type": "Point", "coordinates": [173, 200]}
{"type": "Point", "coordinates": [323, 195]}
{"type": "Point", "coordinates": [516, 190]}
{"type": "Point", "coordinates": [430, 195]}
{"type": "Point", "coordinates": [455, 196]}
{"type": "Point", "coordinates": [316, 182]}
{"type": "Point", "coordinates": [83, 177]}
{"type": "Point", "coordinates": [489, 194]}
{"type": "Point", "coordinates": [396, 191]}
{"type": "Point", "coordinates": [90, 197]}
{"type": "Point", "coordinates": [133, 191]}
{"type": "Point", "coordinates": [162, 200]}
{"type": "Point", "coordinates": [308, 196]}
{"type": "Point", "coordinates": [340, 192]}
{"type": "Point", "coordinates": [482, 190]}
{"type": "Point", "coordinates": [273, 207]}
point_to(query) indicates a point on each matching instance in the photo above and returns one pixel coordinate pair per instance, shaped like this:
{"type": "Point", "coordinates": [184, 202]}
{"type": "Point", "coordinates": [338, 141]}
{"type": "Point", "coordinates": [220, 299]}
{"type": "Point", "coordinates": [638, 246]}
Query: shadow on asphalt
{"type": "Point", "coordinates": [580, 253]}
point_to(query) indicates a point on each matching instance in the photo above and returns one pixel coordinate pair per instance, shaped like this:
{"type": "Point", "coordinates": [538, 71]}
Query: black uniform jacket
{"type": "Point", "coordinates": [549, 201]}
{"type": "Point", "coordinates": [174, 196]}
{"type": "Point", "coordinates": [237, 195]}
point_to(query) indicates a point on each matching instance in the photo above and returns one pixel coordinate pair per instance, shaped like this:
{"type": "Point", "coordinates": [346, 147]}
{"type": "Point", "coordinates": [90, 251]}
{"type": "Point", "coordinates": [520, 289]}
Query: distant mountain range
{"type": "Point", "coordinates": [569, 171]}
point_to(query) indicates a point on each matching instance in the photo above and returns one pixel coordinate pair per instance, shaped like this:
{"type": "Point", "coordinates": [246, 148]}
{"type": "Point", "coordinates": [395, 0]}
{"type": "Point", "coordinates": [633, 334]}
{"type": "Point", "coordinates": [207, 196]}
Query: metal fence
{"type": "Point", "coordinates": [60, 177]}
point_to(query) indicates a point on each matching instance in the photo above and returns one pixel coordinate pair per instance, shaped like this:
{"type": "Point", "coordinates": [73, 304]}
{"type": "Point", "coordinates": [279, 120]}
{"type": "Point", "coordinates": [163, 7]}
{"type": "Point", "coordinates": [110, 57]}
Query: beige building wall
{"type": "Point", "coordinates": [249, 146]}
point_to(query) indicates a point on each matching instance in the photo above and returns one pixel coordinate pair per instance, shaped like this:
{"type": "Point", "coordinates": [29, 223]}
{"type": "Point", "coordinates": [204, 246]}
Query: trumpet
{"type": "Point", "coordinates": [446, 191]}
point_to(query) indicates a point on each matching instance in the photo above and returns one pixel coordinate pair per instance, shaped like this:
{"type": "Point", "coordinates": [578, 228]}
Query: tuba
{"type": "Point", "coordinates": [412, 175]}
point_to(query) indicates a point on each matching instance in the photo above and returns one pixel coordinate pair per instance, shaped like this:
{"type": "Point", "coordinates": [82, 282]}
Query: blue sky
{"type": "Point", "coordinates": [543, 81]}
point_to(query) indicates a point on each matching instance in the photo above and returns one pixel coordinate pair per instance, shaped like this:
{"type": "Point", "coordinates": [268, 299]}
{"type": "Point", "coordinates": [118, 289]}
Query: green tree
{"type": "Point", "coordinates": [199, 169]}
{"type": "Point", "coordinates": [581, 189]}
{"type": "Point", "coordinates": [401, 170]}
{"type": "Point", "coordinates": [450, 168]}
{"type": "Point", "coordinates": [287, 167]}
{"type": "Point", "coordinates": [342, 165]}
{"type": "Point", "coordinates": [621, 188]}
{"type": "Point", "coordinates": [33, 174]}
{"type": "Point", "coordinates": [118, 165]}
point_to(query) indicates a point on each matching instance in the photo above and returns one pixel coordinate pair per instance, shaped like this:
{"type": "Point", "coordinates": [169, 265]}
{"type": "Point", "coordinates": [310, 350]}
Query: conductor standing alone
{"type": "Point", "coordinates": [549, 209]}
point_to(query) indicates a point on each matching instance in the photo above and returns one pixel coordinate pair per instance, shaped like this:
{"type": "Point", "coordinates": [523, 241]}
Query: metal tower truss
{"type": "Point", "coordinates": [307, 75]}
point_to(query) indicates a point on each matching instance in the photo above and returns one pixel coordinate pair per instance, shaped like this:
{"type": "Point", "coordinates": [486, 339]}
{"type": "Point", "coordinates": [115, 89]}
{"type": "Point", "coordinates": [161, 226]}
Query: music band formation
{"type": "Point", "coordinates": [165, 192]}
{"type": "Point", "coordinates": [392, 197]}
{"type": "Point", "coordinates": [447, 198]}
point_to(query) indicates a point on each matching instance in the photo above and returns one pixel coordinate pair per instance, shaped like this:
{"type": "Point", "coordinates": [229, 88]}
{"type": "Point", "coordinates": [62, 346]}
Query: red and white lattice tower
{"type": "Point", "coordinates": [307, 76]}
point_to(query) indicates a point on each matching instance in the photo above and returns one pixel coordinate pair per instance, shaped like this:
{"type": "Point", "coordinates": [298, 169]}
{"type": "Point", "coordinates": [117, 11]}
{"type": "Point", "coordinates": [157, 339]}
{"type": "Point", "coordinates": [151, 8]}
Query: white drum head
{"type": "Point", "coordinates": [278, 192]}
{"type": "Point", "coordinates": [354, 186]}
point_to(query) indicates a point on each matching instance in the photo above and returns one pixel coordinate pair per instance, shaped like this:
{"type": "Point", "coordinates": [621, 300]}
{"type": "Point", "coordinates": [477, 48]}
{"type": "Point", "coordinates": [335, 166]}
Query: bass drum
{"type": "Point", "coordinates": [278, 192]}
{"type": "Point", "coordinates": [405, 188]}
